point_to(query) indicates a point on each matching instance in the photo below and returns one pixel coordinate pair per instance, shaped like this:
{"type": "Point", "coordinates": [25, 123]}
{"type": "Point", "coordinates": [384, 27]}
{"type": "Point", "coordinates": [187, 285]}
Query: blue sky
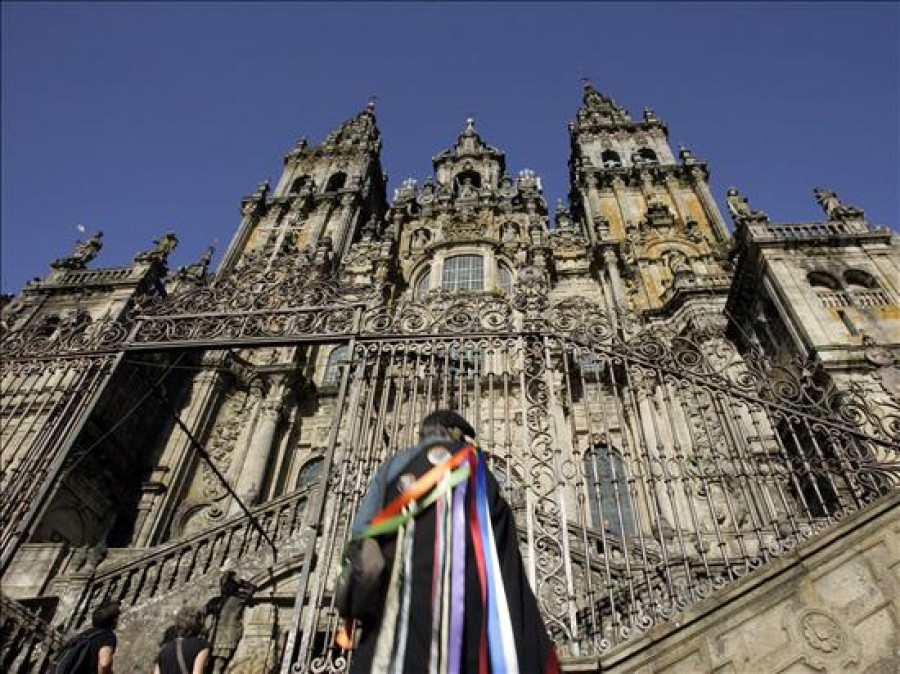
{"type": "Point", "coordinates": [137, 118]}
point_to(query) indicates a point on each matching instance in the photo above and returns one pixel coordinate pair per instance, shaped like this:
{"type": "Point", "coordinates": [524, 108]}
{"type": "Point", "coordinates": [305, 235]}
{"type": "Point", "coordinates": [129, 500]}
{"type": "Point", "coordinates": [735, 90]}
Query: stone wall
{"type": "Point", "coordinates": [831, 605]}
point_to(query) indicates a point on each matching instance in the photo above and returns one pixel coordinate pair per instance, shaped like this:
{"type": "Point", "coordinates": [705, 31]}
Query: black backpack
{"type": "Point", "coordinates": [76, 655]}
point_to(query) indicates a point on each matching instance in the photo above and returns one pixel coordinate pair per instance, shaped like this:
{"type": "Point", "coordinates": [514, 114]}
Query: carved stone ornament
{"type": "Point", "coordinates": [84, 252]}
{"type": "Point", "coordinates": [890, 380]}
{"type": "Point", "coordinates": [880, 356]}
{"type": "Point", "coordinates": [160, 252]}
{"type": "Point", "coordinates": [821, 632]}
{"type": "Point", "coordinates": [834, 208]}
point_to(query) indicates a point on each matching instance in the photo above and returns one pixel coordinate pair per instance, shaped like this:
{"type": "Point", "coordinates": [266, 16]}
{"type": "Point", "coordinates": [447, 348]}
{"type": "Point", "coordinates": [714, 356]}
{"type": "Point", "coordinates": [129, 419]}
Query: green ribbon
{"type": "Point", "coordinates": [391, 524]}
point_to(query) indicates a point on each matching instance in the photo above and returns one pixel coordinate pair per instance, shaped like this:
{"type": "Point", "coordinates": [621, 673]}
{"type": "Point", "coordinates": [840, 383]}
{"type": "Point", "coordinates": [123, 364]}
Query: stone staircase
{"type": "Point", "coordinates": [168, 568]}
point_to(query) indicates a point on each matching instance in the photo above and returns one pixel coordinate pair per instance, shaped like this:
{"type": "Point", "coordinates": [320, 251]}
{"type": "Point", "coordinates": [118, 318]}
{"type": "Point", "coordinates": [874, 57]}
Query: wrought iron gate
{"type": "Point", "coordinates": [645, 468]}
{"type": "Point", "coordinates": [645, 472]}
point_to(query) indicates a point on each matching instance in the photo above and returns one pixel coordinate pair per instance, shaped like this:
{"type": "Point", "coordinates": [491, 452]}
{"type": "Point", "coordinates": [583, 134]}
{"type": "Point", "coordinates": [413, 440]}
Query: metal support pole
{"type": "Point", "coordinates": [212, 466]}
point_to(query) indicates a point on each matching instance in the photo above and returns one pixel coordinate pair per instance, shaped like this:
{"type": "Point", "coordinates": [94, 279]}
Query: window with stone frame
{"type": "Point", "coordinates": [422, 284]}
{"type": "Point", "coordinates": [309, 471]}
{"type": "Point", "coordinates": [647, 156]}
{"type": "Point", "coordinates": [337, 361]}
{"type": "Point", "coordinates": [607, 488]}
{"type": "Point", "coordinates": [610, 159]}
{"type": "Point", "coordinates": [506, 279]}
{"type": "Point", "coordinates": [336, 182]}
{"type": "Point", "coordinates": [463, 272]}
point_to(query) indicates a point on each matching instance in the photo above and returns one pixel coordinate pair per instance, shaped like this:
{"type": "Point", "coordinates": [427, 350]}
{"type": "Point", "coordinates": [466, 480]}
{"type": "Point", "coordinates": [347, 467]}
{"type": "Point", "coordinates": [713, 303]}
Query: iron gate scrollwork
{"type": "Point", "coordinates": [645, 470]}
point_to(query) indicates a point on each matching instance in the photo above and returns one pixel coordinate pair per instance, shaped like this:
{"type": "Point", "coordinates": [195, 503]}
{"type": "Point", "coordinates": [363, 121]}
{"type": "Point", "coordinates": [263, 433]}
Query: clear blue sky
{"type": "Point", "coordinates": [136, 118]}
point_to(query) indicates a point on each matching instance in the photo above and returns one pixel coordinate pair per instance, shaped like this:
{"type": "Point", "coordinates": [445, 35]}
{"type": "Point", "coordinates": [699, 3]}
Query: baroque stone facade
{"type": "Point", "coordinates": [675, 412]}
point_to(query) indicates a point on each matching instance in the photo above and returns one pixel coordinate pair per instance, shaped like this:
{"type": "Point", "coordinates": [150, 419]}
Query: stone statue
{"type": "Point", "coordinates": [510, 232]}
{"type": "Point", "coordinates": [563, 219]}
{"type": "Point", "coordinates": [224, 618]}
{"type": "Point", "coordinates": [687, 157]}
{"type": "Point", "coordinates": [84, 252]}
{"type": "Point", "coordinates": [199, 270]}
{"type": "Point", "coordinates": [421, 237]}
{"type": "Point", "coordinates": [834, 209]}
{"type": "Point", "coordinates": [164, 245]}
{"type": "Point", "coordinates": [322, 253]}
{"type": "Point", "coordinates": [369, 230]}
{"type": "Point", "coordinates": [467, 191]}
{"type": "Point", "coordinates": [740, 209]}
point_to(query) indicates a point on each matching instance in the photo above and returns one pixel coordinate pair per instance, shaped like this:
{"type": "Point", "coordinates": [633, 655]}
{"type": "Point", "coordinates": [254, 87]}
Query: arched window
{"type": "Point", "coordinates": [463, 272]}
{"type": "Point", "coordinates": [336, 182]}
{"type": "Point", "coordinates": [822, 280]}
{"type": "Point", "coordinates": [607, 487]}
{"type": "Point", "coordinates": [423, 284]}
{"type": "Point", "coordinates": [506, 281]}
{"type": "Point", "coordinates": [857, 279]}
{"type": "Point", "coordinates": [610, 159]}
{"type": "Point", "coordinates": [337, 360]}
{"type": "Point", "coordinates": [309, 471]}
{"type": "Point", "coordinates": [299, 184]}
{"type": "Point", "coordinates": [647, 156]}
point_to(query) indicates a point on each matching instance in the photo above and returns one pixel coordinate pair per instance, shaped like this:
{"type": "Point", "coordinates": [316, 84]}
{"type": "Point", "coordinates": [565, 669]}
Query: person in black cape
{"type": "Point", "coordinates": [415, 647]}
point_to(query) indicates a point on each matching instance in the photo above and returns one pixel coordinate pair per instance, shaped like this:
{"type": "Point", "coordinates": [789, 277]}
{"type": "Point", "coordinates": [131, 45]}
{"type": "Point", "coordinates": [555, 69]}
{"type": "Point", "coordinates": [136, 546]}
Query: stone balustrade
{"type": "Point", "coordinates": [168, 567]}
{"type": "Point", "coordinates": [93, 277]}
{"type": "Point", "coordinates": [27, 642]}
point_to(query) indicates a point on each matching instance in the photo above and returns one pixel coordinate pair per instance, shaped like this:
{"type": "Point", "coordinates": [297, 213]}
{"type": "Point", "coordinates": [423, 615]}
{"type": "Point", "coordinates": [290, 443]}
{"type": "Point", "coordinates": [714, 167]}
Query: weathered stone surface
{"type": "Point", "coordinates": [831, 605]}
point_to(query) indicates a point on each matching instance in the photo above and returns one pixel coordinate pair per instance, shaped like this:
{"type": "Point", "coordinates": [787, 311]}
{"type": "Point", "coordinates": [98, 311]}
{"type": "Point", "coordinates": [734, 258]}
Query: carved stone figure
{"type": "Point", "coordinates": [510, 232]}
{"type": "Point", "coordinates": [740, 209]}
{"type": "Point", "coordinates": [467, 190]}
{"type": "Point", "coordinates": [369, 230]}
{"type": "Point", "coordinates": [224, 618]}
{"type": "Point", "coordinates": [833, 207]}
{"type": "Point", "coordinates": [84, 252]}
{"type": "Point", "coordinates": [198, 272]}
{"type": "Point", "coordinates": [160, 253]}
{"type": "Point", "coordinates": [421, 237]}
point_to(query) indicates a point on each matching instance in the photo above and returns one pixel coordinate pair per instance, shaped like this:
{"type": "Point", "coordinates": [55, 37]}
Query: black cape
{"type": "Point", "coordinates": [533, 645]}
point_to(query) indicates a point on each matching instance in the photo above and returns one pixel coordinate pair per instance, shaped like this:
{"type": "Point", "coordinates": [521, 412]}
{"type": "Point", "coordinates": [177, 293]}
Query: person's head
{"type": "Point", "coordinates": [188, 622]}
{"type": "Point", "coordinates": [445, 424]}
{"type": "Point", "coordinates": [106, 615]}
{"type": "Point", "coordinates": [169, 635]}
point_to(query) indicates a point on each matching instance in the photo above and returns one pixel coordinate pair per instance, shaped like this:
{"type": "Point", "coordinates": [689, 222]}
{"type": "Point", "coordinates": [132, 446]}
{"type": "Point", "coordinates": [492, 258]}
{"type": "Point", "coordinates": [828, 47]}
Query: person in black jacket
{"type": "Point", "coordinates": [184, 650]}
{"type": "Point", "coordinates": [91, 651]}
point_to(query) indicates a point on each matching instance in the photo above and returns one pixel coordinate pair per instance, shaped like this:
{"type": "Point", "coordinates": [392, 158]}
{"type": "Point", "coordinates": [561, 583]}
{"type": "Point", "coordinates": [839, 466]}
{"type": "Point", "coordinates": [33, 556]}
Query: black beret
{"type": "Point", "coordinates": [449, 419]}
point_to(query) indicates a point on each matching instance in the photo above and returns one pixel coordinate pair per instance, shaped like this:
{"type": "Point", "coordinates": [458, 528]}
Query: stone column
{"type": "Point", "coordinates": [259, 450]}
{"type": "Point", "coordinates": [588, 215]}
{"type": "Point", "coordinates": [709, 205]}
{"type": "Point", "coordinates": [615, 281]}
{"type": "Point", "coordinates": [342, 236]}
{"type": "Point", "coordinates": [675, 194]}
{"type": "Point", "coordinates": [648, 189]}
{"type": "Point", "coordinates": [319, 225]}
{"type": "Point", "coordinates": [628, 215]}
{"type": "Point", "coordinates": [251, 212]}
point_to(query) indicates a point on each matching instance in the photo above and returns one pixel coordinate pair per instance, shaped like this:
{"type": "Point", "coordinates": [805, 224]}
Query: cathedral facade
{"type": "Point", "coordinates": [674, 408]}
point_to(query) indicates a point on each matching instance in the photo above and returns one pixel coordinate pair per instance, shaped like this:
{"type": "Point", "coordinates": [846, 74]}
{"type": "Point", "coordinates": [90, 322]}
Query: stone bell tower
{"type": "Point", "coordinates": [649, 215]}
{"type": "Point", "coordinates": [326, 193]}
